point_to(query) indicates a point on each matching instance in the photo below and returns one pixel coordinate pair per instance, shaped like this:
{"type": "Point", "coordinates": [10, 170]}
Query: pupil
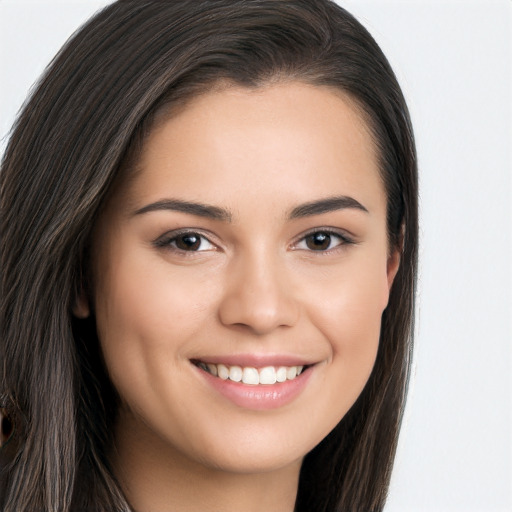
{"type": "Point", "coordinates": [188, 242]}
{"type": "Point", "coordinates": [318, 241]}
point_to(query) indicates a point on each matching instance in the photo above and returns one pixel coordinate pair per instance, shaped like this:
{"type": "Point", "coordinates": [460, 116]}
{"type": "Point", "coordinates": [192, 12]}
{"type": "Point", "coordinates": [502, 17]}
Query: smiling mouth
{"type": "Point", "coordinates": [267, 375]}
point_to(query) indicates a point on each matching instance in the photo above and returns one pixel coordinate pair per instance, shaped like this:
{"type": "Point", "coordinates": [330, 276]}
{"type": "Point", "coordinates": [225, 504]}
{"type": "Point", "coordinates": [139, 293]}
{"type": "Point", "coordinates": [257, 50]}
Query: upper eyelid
{"type": "Point", "coordinates": [173, 234]}
{"type": "Point", "coordinates": [342, 233]}
{"type": "Point", "coordinates": [211, 237]}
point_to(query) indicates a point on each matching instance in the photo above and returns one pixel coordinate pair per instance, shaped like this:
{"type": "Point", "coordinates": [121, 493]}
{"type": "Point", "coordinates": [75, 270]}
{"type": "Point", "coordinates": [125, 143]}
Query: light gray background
{"type": "Point", "coordinates": [454, 60]}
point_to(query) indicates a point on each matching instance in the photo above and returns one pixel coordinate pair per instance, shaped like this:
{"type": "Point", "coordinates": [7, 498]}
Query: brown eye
{"type": "Point", "coordinates": [323, 241]}
{"type": "Point", "coordinates": [188, 242]}
{"type": "Point", "coordinates": [318, 241]}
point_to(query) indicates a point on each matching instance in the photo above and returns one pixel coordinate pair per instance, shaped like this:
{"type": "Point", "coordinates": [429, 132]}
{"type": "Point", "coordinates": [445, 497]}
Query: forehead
{"type": "Point", "coordinates": [300, 138]}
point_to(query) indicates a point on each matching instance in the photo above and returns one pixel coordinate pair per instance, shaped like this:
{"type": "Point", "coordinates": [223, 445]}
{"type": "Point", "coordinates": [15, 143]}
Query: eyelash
{"type": "Point", "coordinates": [169, 241]}
{"type": "Point", "coordinates": [344, 239]}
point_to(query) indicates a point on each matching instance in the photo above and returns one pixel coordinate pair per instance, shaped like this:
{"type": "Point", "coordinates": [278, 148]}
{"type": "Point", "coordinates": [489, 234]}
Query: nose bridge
{"type": "Point", "coordinates": [258, 294]}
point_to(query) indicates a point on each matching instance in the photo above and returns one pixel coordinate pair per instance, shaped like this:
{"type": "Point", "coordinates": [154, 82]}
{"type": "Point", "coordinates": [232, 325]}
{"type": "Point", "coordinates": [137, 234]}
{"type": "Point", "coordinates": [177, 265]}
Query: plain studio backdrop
{"type": "Point", "coordinates": [453, 59]}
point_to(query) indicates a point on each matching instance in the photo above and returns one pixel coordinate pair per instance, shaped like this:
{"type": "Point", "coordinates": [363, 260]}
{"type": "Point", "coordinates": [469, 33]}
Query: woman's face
{"type": "Point", "coordinates": [251, 242]}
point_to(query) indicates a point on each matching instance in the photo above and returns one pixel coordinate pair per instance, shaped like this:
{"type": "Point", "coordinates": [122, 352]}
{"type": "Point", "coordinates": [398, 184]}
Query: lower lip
{"type": "Point", "coordinates": [259, 397]}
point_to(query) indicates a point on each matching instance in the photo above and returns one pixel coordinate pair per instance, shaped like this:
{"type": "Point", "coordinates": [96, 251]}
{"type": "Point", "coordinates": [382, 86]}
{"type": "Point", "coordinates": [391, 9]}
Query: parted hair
{"type": "Point", "coordinates": [74, 139]}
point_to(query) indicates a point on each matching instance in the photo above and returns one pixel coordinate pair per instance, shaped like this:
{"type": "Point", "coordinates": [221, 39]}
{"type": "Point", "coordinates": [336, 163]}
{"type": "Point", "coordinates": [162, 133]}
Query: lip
{"type": "Point", "coordinates": [257, 360]}
{"type": "Point", "coordinates": [261, 397]}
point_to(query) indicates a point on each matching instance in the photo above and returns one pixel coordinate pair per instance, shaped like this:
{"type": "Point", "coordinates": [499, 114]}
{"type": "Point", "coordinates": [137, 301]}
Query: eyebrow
{"type": "Point", "coordinates": [318, 207]}
{"type": "Point", "coordinates": [326, 205]}
{"type": "Point", "coordinates": [177, 205]}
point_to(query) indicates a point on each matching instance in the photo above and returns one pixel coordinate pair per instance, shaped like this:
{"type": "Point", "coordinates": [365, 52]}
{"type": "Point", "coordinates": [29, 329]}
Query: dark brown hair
{"type": "Point", "coordinates": [84, 122]}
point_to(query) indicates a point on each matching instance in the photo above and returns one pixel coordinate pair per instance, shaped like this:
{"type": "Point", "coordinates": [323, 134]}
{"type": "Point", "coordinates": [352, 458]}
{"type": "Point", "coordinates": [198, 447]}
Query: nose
{"type": "Point", "coordinates": [258, 296]}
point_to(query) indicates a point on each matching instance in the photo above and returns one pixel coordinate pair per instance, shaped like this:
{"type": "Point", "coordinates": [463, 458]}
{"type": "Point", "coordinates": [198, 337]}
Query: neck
{"type": "Point", "coordinates": [158, 478]}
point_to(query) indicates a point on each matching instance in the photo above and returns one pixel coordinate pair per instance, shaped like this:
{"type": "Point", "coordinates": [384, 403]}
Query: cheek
{"type": "Point", "coordinates": [351, 300]}
{"type": "Point", "coordinates": [147, 315]}
{"type": "Point", "coordinates": [348, 310]}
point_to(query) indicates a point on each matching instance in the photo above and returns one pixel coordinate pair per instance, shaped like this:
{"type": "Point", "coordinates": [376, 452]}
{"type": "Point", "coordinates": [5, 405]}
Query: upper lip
{"type": "Point", "coordinates": [256, 360]}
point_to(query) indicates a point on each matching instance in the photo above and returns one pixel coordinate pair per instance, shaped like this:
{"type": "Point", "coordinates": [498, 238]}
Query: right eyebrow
{"type": "Point", "coordinates": [192, 208]}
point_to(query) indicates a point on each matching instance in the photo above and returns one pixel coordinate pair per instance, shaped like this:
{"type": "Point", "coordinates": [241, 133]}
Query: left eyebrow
{"type": "Point", "coordinates": [326, 205]}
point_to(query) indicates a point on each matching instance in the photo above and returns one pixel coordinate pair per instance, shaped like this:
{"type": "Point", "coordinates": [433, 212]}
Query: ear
{"type": "Point", "coordinates": [393, 265]}
{"type": "Point", "coordinates": [81, 308]}
{"type": "Point", "coordinates": [394, 257]}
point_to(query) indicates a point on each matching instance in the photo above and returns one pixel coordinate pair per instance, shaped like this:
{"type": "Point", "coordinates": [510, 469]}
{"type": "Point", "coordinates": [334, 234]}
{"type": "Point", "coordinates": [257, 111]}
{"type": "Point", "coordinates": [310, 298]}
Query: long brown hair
{"type": "Point", "coordinates": [86, 119]}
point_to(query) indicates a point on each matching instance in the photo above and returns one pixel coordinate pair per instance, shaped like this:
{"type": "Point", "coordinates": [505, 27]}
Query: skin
{"type": "Point", "coordinates": [255, 286]}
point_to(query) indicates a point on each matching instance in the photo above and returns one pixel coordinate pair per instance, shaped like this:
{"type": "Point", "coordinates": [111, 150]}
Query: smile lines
{"type": "Point", "coordinates": [253, 376]}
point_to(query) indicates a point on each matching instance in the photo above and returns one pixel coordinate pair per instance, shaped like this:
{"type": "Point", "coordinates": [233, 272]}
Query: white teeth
{"type": "Point", "coordinates": [222, 371]}
{"type": "Point", "coordinates": [281, 374]}
{"type": "Point", "coordinates": [268, 375]}
{"type": "Point", "coordinates": [235, 373]}
{"type": "Point", "coordinates": [212, 368]}
{"type": "Point", "coordinates": [291, 372]}
{"type": "Point", "coordinates": [248, 375]}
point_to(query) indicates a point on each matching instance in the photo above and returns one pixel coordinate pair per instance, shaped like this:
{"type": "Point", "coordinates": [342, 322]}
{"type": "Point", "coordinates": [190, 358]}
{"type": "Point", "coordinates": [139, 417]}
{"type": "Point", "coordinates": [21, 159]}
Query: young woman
{"type": "Point", "coordinates": [209, 238]}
